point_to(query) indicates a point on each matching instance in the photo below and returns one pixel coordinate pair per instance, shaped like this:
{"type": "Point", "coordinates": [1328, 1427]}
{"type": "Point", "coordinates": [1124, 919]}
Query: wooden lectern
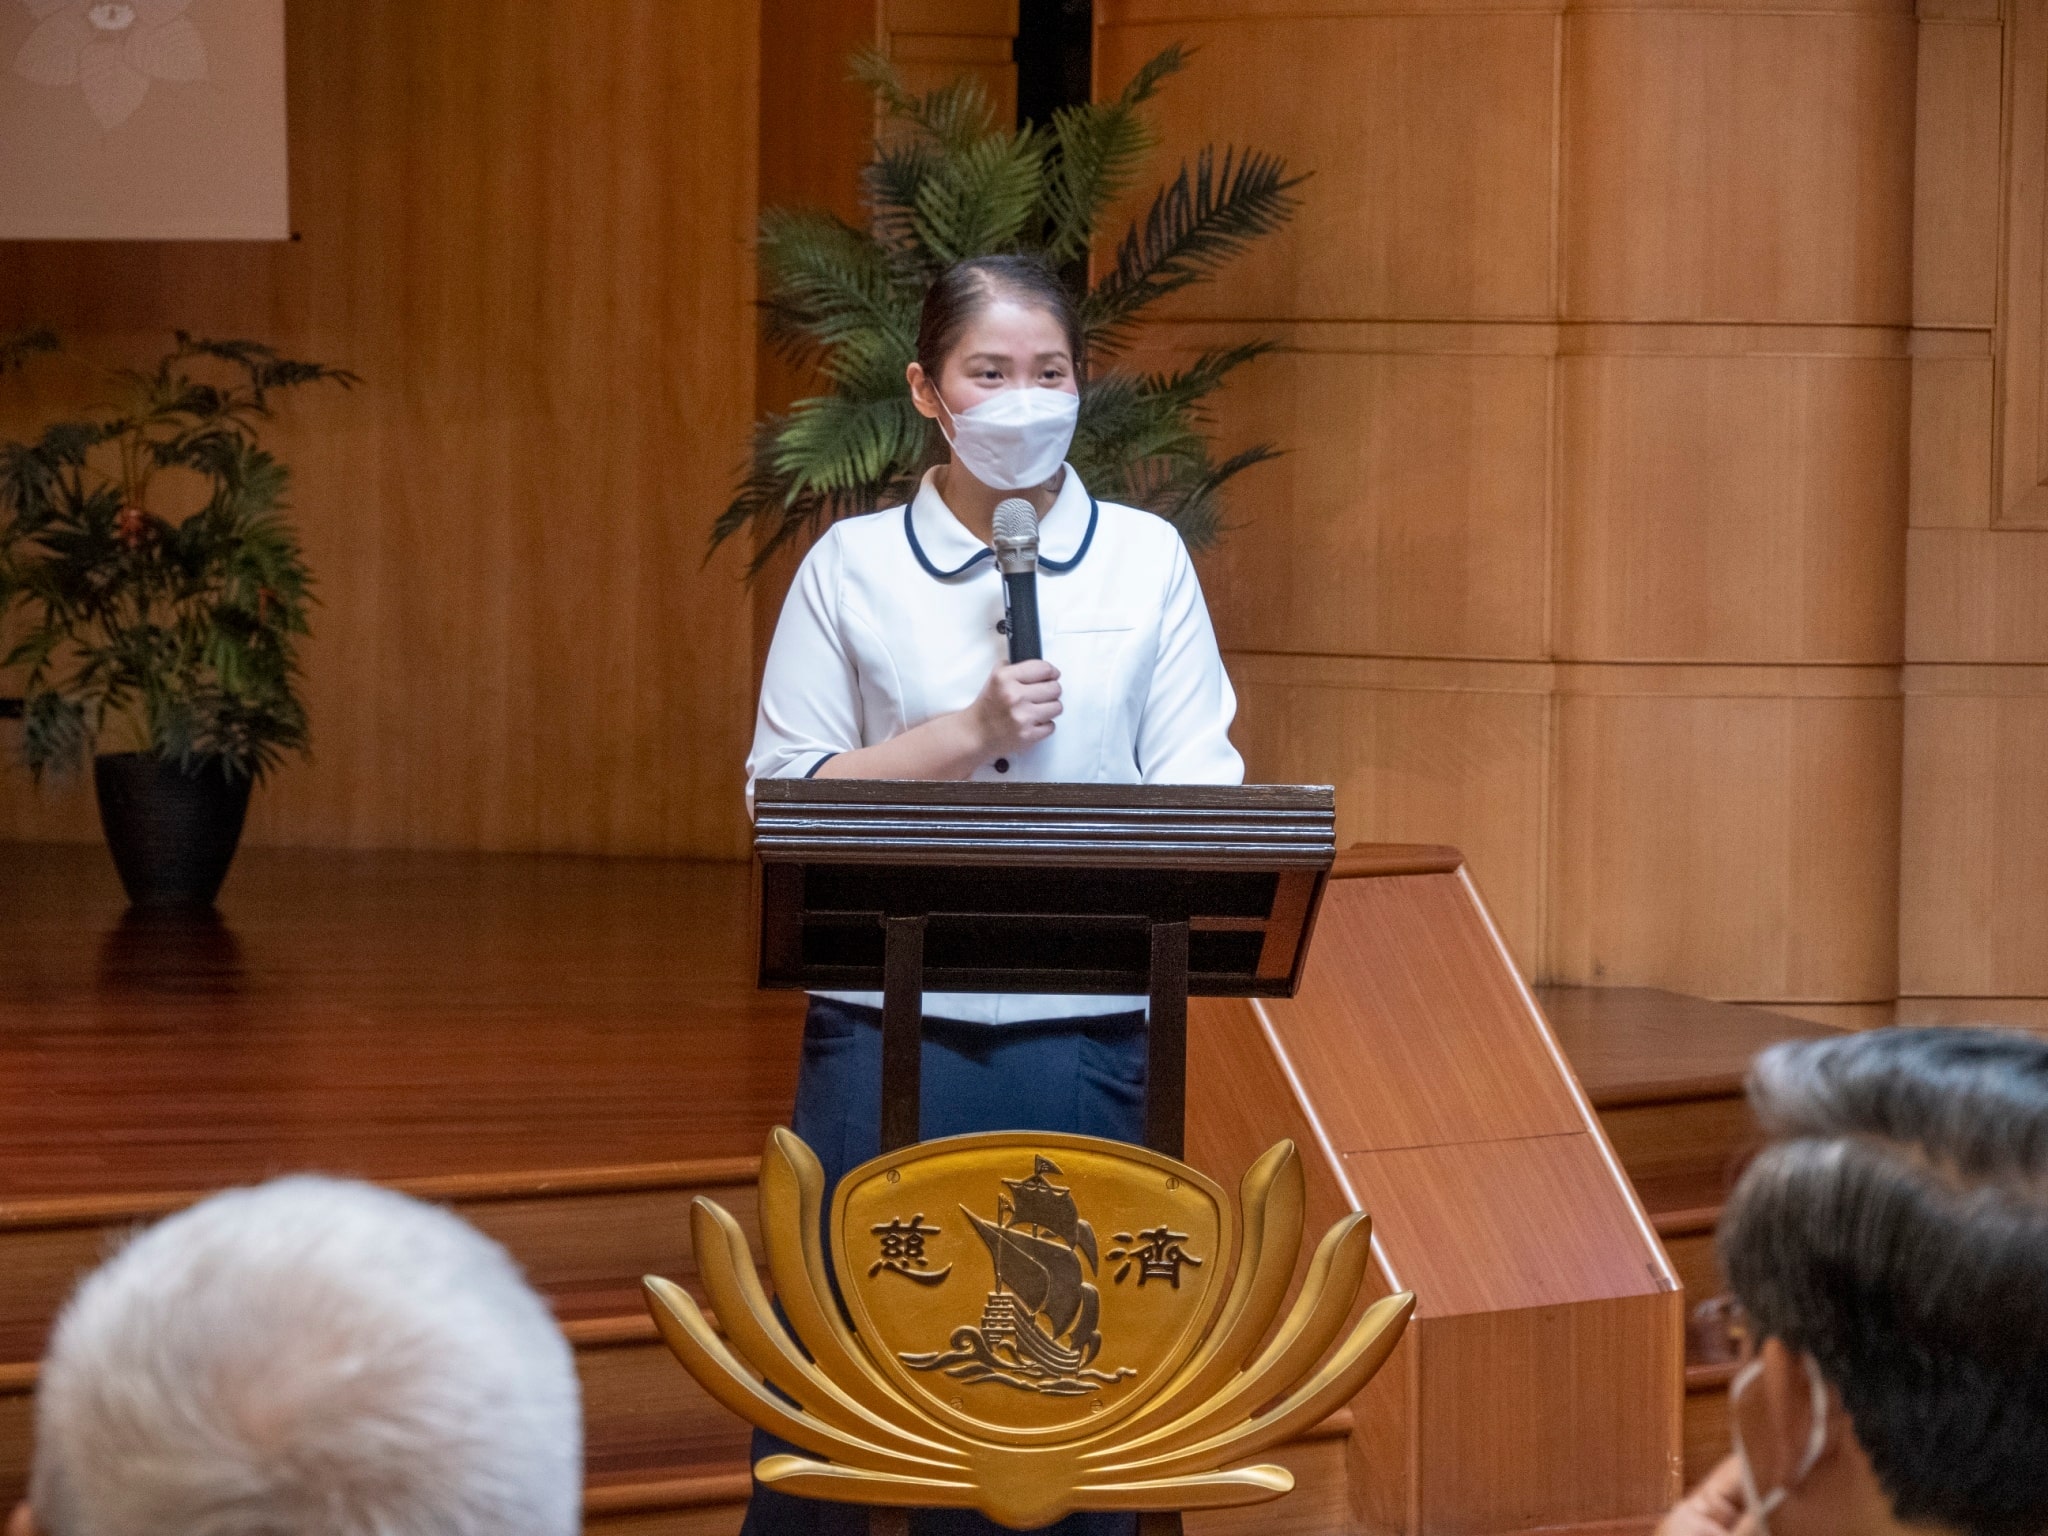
{"type": "Point", "coordinates": [1158, 889]}
{"type": "Point", "coordinates": [906, 887]}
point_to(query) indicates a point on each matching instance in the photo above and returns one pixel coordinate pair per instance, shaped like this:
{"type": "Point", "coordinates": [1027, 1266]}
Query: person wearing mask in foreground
{"type": "Point", "coordinates": [309, 1356]}
{"type": "Point", "coordinates": [1889, 1253]}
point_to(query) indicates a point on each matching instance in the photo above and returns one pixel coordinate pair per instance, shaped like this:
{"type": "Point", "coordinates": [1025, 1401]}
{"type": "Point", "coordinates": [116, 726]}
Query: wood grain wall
{"type": "Point", "coordinates": [1589, 554]}
{"type": "Point", "coordinates": [531, 233]}
{"type": "Point", "coordinates": [1973, 933]}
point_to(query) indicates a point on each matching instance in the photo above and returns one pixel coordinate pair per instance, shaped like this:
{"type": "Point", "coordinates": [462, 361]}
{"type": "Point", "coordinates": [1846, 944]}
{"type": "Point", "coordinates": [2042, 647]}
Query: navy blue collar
{"type": "Point", "coordinates": [1056, 567]}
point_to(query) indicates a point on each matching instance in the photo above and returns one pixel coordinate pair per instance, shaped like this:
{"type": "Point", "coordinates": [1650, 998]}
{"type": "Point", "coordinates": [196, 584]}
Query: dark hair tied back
{"type": "Point", "coordinates": [968, 287]}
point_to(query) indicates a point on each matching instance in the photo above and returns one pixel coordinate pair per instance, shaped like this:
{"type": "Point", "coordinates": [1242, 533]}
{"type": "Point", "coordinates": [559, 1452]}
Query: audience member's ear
{"type": "Point", "coordinates": [23, 1521]}
{"type": "Point", "coordinates": [1776, 1418]}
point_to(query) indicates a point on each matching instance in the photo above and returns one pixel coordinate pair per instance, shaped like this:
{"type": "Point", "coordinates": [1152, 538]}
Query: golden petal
{"type": "Point", "coordinates": [1203, 1490]}
{"type": "Point", "coordinates": [690, 1337]}
{"type": "Point", "coordinates": [1338, 1381]}
{"type": "Point", "coordinates": [1328, 1293]}
{"type": "Point", "coordinates": [809, 1479]}
{"type": "Point", "coordinates": [757, 1336]}
{"type": "Point", "coordinates": [792, 1196]}
{"type": "Point", "coordinates": [1271, 1196]}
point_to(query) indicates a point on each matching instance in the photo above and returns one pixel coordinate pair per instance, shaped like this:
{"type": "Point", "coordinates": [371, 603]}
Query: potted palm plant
{"type": "Point", "coordinates": [948, 182]}
{"type": "Point", "coordinates": [155, 596]}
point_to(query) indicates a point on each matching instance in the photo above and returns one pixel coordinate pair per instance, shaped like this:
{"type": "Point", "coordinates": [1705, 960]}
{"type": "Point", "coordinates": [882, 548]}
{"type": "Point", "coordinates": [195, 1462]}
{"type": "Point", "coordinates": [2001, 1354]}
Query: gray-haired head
{"type": "Point", "coordinates": [1896, 1230]}
{"type": "Point", "coordinates": [308, 1356]}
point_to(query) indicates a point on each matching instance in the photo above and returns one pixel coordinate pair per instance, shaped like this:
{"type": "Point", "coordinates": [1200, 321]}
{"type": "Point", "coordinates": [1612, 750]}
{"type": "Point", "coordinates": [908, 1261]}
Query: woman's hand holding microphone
{"type": "Point", "coordinates": [1016, 707]}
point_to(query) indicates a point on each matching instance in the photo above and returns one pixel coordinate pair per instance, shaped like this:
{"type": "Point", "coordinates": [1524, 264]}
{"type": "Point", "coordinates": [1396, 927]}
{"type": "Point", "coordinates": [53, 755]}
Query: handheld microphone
{"type": "Point", "coordinates": [1016, 542]}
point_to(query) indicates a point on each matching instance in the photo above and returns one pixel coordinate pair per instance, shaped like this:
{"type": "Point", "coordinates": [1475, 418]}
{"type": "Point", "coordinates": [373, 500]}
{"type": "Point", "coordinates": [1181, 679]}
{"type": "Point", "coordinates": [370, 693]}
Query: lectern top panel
{"type": "Point", "coordinates": [1078, 826]}
{"type": "Point", "coordinates": [1040, 887]}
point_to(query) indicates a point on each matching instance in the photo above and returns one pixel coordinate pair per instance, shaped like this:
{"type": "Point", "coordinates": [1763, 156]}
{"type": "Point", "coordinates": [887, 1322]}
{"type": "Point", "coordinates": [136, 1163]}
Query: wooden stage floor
{"type": "Point", "coordinates": [390, 1015]}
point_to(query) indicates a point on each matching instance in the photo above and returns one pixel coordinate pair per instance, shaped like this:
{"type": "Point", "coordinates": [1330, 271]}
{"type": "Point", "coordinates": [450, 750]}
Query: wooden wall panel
{"type": "Point", "coordinates": [1729, 832]}
{"type": "Point", "coordinates": [2009, 1012]}
{"type": "Point", "coordinates": [1956, 184]}
{"type": "Point", "coordinates": [1429, 135]}
{"type": "Point", "coordinates": [1974, 914]}
{"type": "Point", "coordinates": [1978, 595]}
{"type": "Point", "coordinates": [817, 129]}
{"type": "Point", "coordinates": [1733, 492]}
{"type": "Point", "coordinates": [1973, 918]}
{"type": "Point", "coordinates": [1739, 166]}
{"type": "Point", "coordinates": [1950, 452]}
{"type": "Point", "coordinates": [532, 239]}
{"type": "Point", "coordinates": [2023, 304]}
{"type": "Point", "coordinates": [1741, 507]}
{"type": "Point", "coordinates": [1418, 750]}
{"type": "Point", "coordinates": [932, 42]}
{"type": "Point", "coordinates": [1538, 457]}
{"type": "Point", "coordinates": [1416, 524]}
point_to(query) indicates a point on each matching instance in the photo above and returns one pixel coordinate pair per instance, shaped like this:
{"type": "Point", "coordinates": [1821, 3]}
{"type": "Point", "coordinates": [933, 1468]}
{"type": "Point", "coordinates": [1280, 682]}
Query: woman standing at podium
{"type": "Point", "coordinates": [889, 663]}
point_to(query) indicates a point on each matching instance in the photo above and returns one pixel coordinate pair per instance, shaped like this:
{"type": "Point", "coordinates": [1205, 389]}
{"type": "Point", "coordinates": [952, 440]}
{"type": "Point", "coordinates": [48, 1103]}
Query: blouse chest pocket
{"type": "Point", "coordinates": [1094, 624]}
{"type": "Point", "coordinates": [1105, 668]}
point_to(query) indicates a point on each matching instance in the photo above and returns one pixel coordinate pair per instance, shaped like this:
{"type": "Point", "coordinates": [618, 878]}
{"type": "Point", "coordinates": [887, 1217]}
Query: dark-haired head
{"type": "Point", "coordinates": [967, 288]}
{"type": "Point", "coordinates": [1896, 1232]}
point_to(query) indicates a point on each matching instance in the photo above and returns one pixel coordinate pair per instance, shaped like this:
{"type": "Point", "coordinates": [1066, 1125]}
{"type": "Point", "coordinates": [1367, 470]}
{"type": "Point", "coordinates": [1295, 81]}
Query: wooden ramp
{"type": "Point", "coordinates": [1540, 1383]}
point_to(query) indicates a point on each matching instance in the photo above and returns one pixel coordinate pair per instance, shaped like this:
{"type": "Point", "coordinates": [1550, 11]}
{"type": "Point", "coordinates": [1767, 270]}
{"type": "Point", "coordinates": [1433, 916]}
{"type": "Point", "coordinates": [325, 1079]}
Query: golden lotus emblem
{"type": "Point", "coordinates": [1039, 1323]}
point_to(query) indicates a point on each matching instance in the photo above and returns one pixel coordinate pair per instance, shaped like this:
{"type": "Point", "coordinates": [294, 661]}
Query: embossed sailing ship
{"type": "Point", "coordinates": [1038, 1327]}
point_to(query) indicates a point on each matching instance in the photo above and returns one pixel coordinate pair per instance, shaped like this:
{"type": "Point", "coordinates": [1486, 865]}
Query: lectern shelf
{"type": "Point", "coordinates": [1168, 890]}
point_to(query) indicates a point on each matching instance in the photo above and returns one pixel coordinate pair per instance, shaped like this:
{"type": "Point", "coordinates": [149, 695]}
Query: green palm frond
{"type": "Point", "coordinates": [945, 182]}
{"type": "Point", "coordinates": [956, 116]}
{"type": "Point", "coordinates": [1097, 152]}
{"type": "Point", "coordinates": [1204, 218]}
{"type": "Point", "coordinates": [981, 198]}
{"type": "Point", "coordinates": [829, 283]}
{"type": "Point", "coordinates": [832, 444]}
{"type": "Point", "coordinates": [1189, 389]}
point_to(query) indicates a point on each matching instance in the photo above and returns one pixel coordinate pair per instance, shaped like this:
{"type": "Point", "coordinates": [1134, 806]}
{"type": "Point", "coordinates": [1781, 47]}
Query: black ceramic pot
{"type": "Point", "coordinates": [172, 834]}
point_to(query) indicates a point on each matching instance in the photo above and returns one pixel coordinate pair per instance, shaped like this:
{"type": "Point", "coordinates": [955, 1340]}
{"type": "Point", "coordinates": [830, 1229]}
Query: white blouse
{"type": "Point", "coordinates": [892, 621]}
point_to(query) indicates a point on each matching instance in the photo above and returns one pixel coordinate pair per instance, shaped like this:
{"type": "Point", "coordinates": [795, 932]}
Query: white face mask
{"type": "Point", "coordinates": [1016, 439]}
{"type": "Point", "coordinates": [1761, 1505]}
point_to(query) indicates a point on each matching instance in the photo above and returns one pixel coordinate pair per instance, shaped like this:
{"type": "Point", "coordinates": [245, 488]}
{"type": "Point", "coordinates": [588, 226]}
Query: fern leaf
{"type": "Point", "coordinates": [980, 199]}
{"type": "Point", "coordinates": [830, 443]}
{"type": "Point", "coordinates": [1194, 506]}
{"type": "Point", "coordinates": [1188, 389]}
{"type": "Point", "coordinates": [955, 116]}
{"type": "Point", "coordinates": [828, 284]}
{"type": "Point", "coordinates": [1098, 148]}
{"type": "Point", "coordinates": [1206, 216]}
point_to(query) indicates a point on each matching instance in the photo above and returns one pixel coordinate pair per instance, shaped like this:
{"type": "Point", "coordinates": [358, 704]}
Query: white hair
{"type": "Point", "coordinates": [309, 1357]}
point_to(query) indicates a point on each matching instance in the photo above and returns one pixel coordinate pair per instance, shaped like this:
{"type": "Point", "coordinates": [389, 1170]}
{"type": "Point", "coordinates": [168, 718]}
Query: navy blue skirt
{"type": "Point", "coordinates": [1085, 1076]}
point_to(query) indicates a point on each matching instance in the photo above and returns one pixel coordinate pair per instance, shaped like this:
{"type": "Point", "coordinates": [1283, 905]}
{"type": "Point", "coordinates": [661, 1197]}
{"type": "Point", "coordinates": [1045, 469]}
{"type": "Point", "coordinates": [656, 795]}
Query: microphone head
{"type": "Point", "coordinates": [1015, 536]}
{"type": "Point", "coordinates": [1015, 520]}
